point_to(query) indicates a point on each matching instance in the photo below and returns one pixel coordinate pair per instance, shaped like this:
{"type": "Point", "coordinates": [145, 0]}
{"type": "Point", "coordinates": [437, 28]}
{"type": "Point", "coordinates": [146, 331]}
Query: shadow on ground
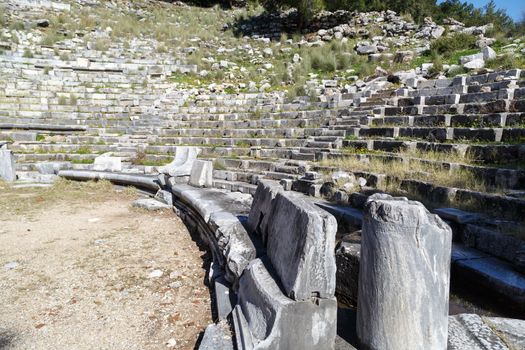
{"type": "Point", "coordinates": [7, 338]}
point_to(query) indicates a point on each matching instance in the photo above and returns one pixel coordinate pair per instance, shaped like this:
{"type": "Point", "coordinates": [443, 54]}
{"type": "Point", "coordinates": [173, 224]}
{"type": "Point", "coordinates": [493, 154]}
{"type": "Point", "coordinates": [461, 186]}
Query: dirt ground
{"type": "Point", "coordinates": [81, 269]}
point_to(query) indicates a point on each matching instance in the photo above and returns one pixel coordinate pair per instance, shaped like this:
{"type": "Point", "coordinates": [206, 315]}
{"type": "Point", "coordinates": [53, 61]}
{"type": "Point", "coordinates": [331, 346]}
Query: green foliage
{"type": "Point", "coordinates": [473, 16]}
{"type": "Point", "coordinates": [447, 45]}
{"type": "Point", "coordinates": [28, 53]}
{"type": "Point", "coordinates": [51, 38]}
{"type": "Point", "coordinates": [417, 9]}
{"type": "Point", "coordinates": [306, 8]}
{"type": "Point", "coordinates": [17, 25]}
{"type": "Point", "coordinates": [507, 61]}
{"type": "Point", "coordinates": [437, 66]}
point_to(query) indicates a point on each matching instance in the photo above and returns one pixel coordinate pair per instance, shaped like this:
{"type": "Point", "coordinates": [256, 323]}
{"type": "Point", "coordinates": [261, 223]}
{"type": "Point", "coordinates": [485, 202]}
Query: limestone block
{"type": "Point", "coordinates": [106, 162]}
{"type": "Point", "coordinates": [217, 337]}
{"type": "Point", "coordinates": [277, 322]}
{"type": "Point", "coordinates": [261, 207]}
{"type": "Point", "coordinates": [7, 165]}
{"type": "Point", "coordinates": [404, 276]}
{"type": "Point", "coordinates": [469, 58]}
{"type": "Point", "coordinates": [469, 332]}
{"type": "Point", "coordinates": [183, 162]}
{"type": "Point", "coordinates": [52, 167]}
{"type": "Point", "coordinates": [164, 197]}
{"type": "Point", "coordinates": [488, 53]}
{"type": "Point", "coordinates": [300, 245]}
{"type": "Point", "coordinates": [150, 204]}
{"type": "Point", "coordinates": [233, 243]}
{"type": "Point", "coordinates": [511, 330]}
{"type": "Point", "coordinates": [475, 64]}
{"type": "Point", "coordinates": [202, 173]}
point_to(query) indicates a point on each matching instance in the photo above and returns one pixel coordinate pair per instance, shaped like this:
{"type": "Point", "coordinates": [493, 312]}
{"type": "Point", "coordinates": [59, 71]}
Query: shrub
{"type": "Point", "coordinates": [28, 53]}
{"type": "Point", "coordinates": [447, 45]}
{"type": "Point", "coordinates": [51, 38]}
{"type": "Point", "coordinates": [507, 61]}
{"type": "Point", "coordinates": [437, 66]}
{"type": "Point", "coordinates": [101, 45]}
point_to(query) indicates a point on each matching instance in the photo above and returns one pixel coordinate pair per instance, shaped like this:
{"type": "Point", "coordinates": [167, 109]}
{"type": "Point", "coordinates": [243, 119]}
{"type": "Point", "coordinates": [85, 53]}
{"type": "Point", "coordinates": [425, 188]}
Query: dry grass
{"type": "Point", "coordinates": [412, 170]}
{"type": "Point", "coordinates": [27, 201]}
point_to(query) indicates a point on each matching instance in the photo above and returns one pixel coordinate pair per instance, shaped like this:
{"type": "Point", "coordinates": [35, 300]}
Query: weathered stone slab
{"type": "Point", "coordinates": [301, 243]}
{"type": "Point", "coordinates": [262, 206]}
{"type": "Point", "coordinates": [233, 242]}
{"type": "Point", "coordinates": [277, 322]}
{"type": "Point", "coordinates": [231, 245]}
{"type": "Point", "coordinates": [404, 276]}
{"type": "Point", "coordinates": [469, 332]}
{"type": "Point", "coordinates": [7, 165]}
{"type": "Point", "coordinates": [107, 163]}
{"type": "Point", "coordinates": [164, 197]}
{"type": "Point", "coordinates": [183, 162]}
{"type": "Point", "coordinates": [140, 181]}
{"type": "Point", "coordinates": [52, 167]}
{"type": "Point", "coordinates": [512, 331]}
{"type": "Point", "coordinates": [201, 174]}
{"type": "Point", "coordinates": [217, 337]}
{"type": "Point", "coordinates": [492, 274]}
{"type": "Point", "coordinates": [150, 204]}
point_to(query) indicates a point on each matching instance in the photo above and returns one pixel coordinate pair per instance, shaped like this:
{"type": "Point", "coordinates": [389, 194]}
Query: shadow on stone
{"type": "Point", "coordinates": [346, 323]}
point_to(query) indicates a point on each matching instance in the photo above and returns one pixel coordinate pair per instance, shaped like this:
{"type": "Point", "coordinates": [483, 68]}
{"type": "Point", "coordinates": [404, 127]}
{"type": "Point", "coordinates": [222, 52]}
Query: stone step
{"type": "Point", "coordinates": [443, 134]}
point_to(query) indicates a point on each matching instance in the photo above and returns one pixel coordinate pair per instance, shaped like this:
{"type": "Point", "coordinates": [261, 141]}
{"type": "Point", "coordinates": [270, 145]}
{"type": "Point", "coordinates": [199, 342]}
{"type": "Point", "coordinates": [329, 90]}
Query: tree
{"type": "Point", "coordinates": [306, 8]}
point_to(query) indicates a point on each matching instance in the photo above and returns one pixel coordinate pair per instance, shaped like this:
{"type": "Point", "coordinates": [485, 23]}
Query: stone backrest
{"type": "Point", "coordinates": [299, 238]}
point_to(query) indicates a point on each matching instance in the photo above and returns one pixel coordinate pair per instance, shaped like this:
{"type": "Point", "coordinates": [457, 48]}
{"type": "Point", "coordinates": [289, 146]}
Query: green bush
{"type": "Point", "coordinates": [507, 61]}
{"type": "Point", "coordinates": [447, 45]}
{"type": "Point", "coordinates": [28, 53]}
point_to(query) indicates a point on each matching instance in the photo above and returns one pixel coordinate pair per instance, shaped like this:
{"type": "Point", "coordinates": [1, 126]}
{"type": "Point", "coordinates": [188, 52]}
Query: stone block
{"type": "Point", "coordinates": [512, 331]}
{"type": "Point", "coordinates": [300, 245]}
{"type": "Point", "coordinates": [232, 242]}
{"type": "Point", "coordinates": [404, 276]}
{"type": "Point", "coordinates": [468, 331]}
{"type": "Point", "coordinates": [183, 162]}
{"type": "Point", "coordinates": [164, 197]}
{"type": "Point", "coordinates": [217, 337]}
{"type": "Point", "coordinates": [52, 167]}
{"type": "Point", "coordinates": [106, 162]}
{"type": "Point", "coordinates": [261, 207]}
{"type": "Point", "coordinates": [7, 165]}
{"type": "Point", "coordinates": [201, 173]}
{"type": "Point", "coordinates": [277, 322]}
{"type": "Point", "coordinates": [150, 204]}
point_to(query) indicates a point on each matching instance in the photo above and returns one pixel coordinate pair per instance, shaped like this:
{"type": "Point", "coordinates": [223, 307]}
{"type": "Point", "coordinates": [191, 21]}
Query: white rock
{"type": "Point", "coordinates": [488, 53]}
{"type": "Point", "coordinates": [155, 274]}
{"type": "Point", "coordinates": [475, 64]}
{"type": "Point", "coordinates": [11, 265]}
{"type": "Point", "coordinates": [171, 343]}
{"type": "Point", "coordinates": [268, 52]}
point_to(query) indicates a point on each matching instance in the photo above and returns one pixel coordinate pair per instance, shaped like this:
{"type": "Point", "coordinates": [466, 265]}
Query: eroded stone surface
{"type": "Point", "coordinates": [301, 242]}
{"type": "Point", "coordinates": [277, 322]}
{"type": "Point", "coordinates": [404, 276]}
{"type": "Point", "coordinates": [469, 332]}
{"type": "Point", "coordinates": [7, 165]}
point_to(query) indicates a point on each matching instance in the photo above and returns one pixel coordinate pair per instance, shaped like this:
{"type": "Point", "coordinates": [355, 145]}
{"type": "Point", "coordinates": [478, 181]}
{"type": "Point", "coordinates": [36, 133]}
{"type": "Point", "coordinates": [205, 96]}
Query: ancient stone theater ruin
{"type": "Point", "coordinates": [357, 182]}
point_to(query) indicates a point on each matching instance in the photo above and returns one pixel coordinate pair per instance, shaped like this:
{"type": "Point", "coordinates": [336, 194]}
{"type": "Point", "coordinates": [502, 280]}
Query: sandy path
{"type": "Point", "coordinates": [83, 279]}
